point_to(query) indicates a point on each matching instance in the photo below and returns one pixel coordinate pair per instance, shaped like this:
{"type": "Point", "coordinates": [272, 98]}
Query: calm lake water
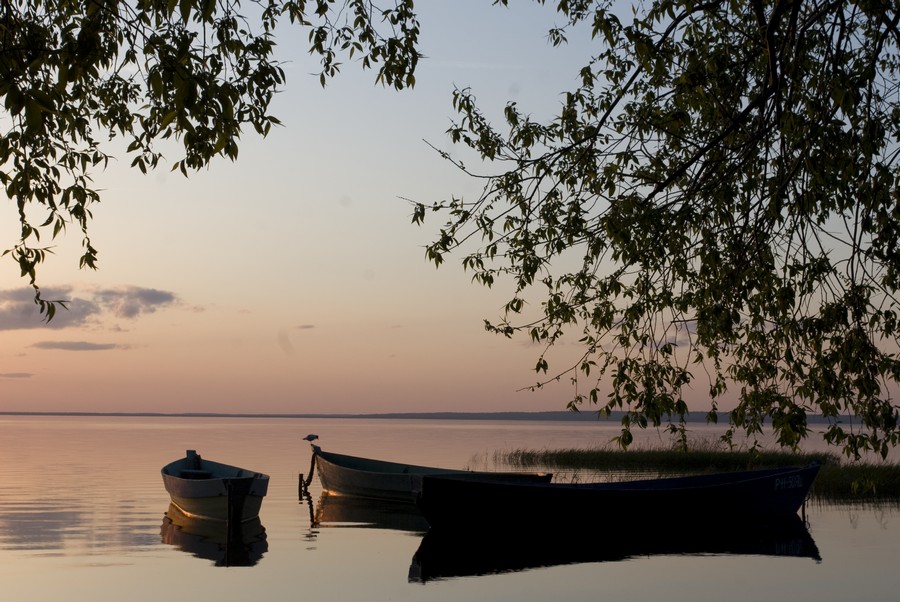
{"type": "Point", "coordinates": [83, 517]}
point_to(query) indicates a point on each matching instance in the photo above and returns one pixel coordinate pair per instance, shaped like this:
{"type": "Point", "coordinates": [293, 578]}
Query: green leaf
{"type": "Point", "coordinates": [185, 8]}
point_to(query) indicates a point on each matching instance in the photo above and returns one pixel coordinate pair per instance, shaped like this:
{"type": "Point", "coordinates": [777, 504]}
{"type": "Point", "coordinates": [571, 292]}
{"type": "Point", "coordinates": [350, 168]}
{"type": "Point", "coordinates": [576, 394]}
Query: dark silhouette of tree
{"type": "Point", "coordinates": [715, 206]}
{"type": "Point", "coordinates": [195, 71]}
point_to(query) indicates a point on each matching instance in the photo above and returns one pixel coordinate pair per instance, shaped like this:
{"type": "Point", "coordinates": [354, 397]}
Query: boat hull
{"type": "Point", "coordinates": [210, 490]}
{"type": "Point", "coordinates": [377, 479]}
{"type": "Point", "coordinates": [447, 501]}
{"type": "Point", "coordinates": [216, 508]}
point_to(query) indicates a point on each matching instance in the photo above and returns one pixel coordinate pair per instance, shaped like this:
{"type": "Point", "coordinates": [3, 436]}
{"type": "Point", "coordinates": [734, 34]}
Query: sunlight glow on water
{"type": "Point", "coordinates": [83, 517]}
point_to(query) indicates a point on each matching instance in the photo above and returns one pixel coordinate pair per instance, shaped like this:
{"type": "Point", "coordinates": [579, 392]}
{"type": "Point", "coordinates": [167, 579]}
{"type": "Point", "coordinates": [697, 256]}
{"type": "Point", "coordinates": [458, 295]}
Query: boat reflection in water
{"type": "Point", "coordinates": [448, 553]}
{"type": "Point", "coordinates": [241, 544]}
{"type": "Point", "coordinates": [352, 511]}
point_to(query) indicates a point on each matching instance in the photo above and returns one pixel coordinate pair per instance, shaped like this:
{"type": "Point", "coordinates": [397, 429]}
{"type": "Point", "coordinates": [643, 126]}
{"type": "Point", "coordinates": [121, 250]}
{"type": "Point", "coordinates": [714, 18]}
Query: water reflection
{"type": "Point", "coordinates": [242, 545]}
{"type": "Point", "coordinates": [62, 540]}
{"type": "Point", "coordinates": [39, 528]}
{"type": "Point", "coordinates": [347, 510]}
{"type": "Point", "coordinates": [451, 553]}
{"type": "Point", "coordinates": [445, 554]}
{"type": "Point", "coordinates": [61, 527]}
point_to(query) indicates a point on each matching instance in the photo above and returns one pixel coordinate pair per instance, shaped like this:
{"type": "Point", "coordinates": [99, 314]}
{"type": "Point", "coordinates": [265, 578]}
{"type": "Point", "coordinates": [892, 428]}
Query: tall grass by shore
{"type": "Point", "coordinates": [839, 479]}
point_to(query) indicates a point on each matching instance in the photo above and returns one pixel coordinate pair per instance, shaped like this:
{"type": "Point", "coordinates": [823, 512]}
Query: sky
{"type": "Point", "coordinates": [292, 281]}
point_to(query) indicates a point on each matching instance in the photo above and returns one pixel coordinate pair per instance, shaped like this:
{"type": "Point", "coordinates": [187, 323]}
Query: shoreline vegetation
{"type": "Point", "coordinates": [838, 480]}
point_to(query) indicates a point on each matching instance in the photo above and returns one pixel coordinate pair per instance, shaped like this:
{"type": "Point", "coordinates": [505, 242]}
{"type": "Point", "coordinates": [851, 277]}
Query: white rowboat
{"type": "Point", "coordinates": [214, 491]}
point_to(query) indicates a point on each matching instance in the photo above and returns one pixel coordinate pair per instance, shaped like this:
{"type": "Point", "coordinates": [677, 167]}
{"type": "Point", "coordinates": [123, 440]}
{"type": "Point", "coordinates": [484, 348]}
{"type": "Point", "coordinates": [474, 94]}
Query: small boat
{"type": "Point", "coordinates": [210, 490]}
{"type": "Point", "coordinates": [453, 553]}
{"type": "Point", "coordinates": [377, 479]}
{"type": "Point", "coordinates": [448, 501]}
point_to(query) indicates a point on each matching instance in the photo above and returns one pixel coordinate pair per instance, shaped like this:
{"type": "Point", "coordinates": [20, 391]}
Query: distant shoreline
{"type": "Point", "coordinates": [553, 416]}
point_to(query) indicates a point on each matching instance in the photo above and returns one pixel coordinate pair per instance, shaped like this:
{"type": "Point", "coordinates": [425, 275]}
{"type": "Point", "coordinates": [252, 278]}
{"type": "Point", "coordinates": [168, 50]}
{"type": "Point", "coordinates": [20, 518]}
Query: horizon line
{"type": "Point", "coordinates": [552, 415]}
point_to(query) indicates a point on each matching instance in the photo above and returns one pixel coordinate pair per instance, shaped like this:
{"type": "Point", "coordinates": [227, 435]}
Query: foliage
{"type": "Point", "coordinates": [714, 208]}
{"type": "Point", "coordinates": [194, 71]}
{"type": "Point", "coordinates": [718, 196]}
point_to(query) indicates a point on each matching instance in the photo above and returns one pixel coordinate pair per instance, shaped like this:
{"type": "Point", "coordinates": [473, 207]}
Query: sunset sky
{"type": "Point", "coordinates": [292, 280]}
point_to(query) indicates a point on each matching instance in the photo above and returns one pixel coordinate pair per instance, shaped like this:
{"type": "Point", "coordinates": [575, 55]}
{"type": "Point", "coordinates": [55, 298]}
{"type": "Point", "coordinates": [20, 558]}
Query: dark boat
{"type": "Point", "coordinates": [226, 544]}
{"type": "Point", "coordinates": [451, 553]}
{"type": "Point", "coordinates": [205, 489]}
{"type": "Point", "coordinates": [377, 479]}
{"type": "Point", "coordinates": [449, 501]}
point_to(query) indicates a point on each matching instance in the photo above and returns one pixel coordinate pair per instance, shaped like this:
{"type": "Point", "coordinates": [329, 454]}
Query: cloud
{"type": "Point", "coordinates": [306, 327]}
{"type": "Point", "coordinates": [16, 374]}
{"type": "Point", "coordinates": [130, 302]}
{"type": "Point", "coordinates": [18, 310]}
{"type": "Point", "coordinates": [76, 346]}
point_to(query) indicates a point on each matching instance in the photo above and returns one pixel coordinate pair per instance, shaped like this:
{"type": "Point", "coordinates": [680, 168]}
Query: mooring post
{"type": "Point", "coordinates": [312, 467]}
{"type": "Point", "coordinates": [303, 485]}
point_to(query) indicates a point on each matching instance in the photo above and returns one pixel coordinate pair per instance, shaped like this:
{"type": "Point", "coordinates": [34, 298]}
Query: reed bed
{"type": "Point", "coordinates": [839, 479]}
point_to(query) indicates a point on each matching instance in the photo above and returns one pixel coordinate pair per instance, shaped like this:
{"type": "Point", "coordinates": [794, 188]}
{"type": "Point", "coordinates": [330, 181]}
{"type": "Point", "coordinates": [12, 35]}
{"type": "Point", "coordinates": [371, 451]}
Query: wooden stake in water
{"type": "Point", "coordinates": [303, 485]}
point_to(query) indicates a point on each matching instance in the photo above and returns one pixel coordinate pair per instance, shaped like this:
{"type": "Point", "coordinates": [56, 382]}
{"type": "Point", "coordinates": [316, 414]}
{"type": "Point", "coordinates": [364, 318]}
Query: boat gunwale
{"type": "Point", "coordinates": [217, 468]}
{"type": "Point", "coordinates": [694, 481]}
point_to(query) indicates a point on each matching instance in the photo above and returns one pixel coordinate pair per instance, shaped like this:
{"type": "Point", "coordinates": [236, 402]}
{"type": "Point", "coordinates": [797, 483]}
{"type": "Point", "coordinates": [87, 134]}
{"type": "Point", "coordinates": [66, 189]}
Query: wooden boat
{"type": "Point", "coordinates": [453, 553]}
{"type": "Point", "coordinates": [226, 544]}
{"type": "Point", "coordinates": [204, 489]}
{"type": "Point", "coordinates": [448, 501]}
{"type": "Point", "coordinates": [378, 479]}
